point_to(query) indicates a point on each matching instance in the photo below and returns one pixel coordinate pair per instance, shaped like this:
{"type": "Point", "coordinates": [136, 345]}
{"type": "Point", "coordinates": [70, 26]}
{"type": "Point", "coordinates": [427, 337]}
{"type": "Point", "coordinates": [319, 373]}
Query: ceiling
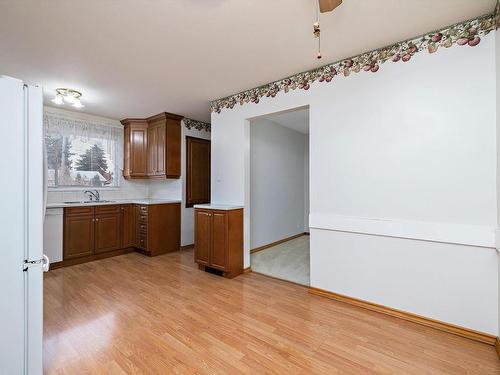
{"type": "Point", "coordinates": [136, 58]}
{"type": "Point", "coordinates": [297, 120]}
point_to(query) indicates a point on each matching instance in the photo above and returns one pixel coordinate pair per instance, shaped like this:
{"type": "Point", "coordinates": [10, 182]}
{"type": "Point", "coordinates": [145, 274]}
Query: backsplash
{"type": "Point", "coordinates": [127, 190]}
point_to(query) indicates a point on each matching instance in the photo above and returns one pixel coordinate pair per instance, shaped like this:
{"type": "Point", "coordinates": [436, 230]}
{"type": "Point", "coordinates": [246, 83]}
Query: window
{"type": "Point", "coordinates": [197, 171]}
{"type": "Point", "coordinates": [81, 152]}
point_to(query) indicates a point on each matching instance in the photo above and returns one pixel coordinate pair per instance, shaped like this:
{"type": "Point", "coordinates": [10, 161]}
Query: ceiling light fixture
{"type": "Point", "coordinates": [70, 96]}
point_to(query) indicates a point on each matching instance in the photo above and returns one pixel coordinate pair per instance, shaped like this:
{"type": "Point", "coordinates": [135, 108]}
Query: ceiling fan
{"type": "Point", "coordinates": [328, 5]}
{"type": "Point", "coordinates": [323, 6]}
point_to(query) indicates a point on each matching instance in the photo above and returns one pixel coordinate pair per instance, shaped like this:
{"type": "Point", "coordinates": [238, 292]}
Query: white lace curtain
{"type": "Point", "coordinates": [108, 132]}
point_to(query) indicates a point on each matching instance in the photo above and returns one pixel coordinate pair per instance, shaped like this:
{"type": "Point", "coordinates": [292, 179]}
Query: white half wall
{"type": "Point", "coordinates": [277, 182]}
{"type": "Point", "coordinates": [412, 146]}
{"type": "Point", "coordinates": [436, 277]}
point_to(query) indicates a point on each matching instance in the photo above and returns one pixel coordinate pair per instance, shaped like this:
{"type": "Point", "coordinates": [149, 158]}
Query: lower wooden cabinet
{"type": "Point", "coordinates": [108, 228]}
{"type": "Point", "coordinates": [158, 228]}
{"type": "Point", "coordinates": [218, 240]}
{"type": "Point", "coordinates": [95, 232]}
{"type": "Point", "coordinates": [78, 232]}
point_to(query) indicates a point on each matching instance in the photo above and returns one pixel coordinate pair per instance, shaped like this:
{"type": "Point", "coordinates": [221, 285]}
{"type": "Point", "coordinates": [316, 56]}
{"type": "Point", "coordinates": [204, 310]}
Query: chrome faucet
{"type": "Point", "coordinates": [93, 194]}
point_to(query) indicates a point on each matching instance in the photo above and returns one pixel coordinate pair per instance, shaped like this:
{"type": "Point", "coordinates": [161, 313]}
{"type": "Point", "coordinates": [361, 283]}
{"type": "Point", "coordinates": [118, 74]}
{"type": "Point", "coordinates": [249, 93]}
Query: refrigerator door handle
{"type": "Point", "coordinates": [45, 263]}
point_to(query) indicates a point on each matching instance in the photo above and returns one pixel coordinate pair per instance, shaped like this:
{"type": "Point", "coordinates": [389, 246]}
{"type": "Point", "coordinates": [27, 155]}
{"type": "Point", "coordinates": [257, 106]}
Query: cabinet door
{"type": "Point", "coordinates": [108, 229]}
{"type": "Point", "coordinates": [138, 152]}
{"type": "Point", "coordinates": [160, 150]}
{"type": "Point", "coordinates": [128, 225]}
{"type": "Point", "coordinates": [78, 236]}
{"type": "Point", "coordinates": [152, 150]}
{"type": "Point", "coordinates": [202, 236]}
{"type": "Point", "coordinates": [219, 240]}
{"type": "Point", "coordinates": [173, 149]}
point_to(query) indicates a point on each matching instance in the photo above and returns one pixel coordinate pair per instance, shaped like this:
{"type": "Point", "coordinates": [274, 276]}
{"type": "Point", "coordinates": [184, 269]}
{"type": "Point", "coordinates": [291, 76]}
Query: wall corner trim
{"type": "Point", "coordinates": [497, 240]}
{"type": "Point", "coordinates": [422, 320]}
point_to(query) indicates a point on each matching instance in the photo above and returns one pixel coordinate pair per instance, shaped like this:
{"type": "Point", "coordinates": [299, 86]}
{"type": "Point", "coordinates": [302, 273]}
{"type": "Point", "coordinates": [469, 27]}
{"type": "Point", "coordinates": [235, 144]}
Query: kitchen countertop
{"type": "Point", "coordinates": [118, 201]}
{"type": "Point", "coordinates": [223, 207]}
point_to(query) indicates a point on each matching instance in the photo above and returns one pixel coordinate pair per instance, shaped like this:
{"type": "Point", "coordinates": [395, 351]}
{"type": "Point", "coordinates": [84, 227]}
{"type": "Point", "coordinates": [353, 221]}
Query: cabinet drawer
{"type": "Point", "coordinates": [142, 219]}
{"type": "Point", "coordinates": [142, 241]}
{"type": "Point", "coordinates": [79, 211]}
{"type": "Point", "coordinates": [142, 227]}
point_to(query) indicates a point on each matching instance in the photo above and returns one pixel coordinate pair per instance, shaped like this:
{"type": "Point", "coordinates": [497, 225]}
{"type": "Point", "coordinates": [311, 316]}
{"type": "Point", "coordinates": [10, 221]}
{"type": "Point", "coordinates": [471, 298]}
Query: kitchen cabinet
{"type": "Point", "coordinates": [218, 242]}
{"type": "Point", "coordinates": [158, 228]}
{"type": "Point", "coordinates": [203, 236]}
{"type": "Point", "coordinates": [135, 148]}
{"type": "Point", "coordinates": [154, 151]}
{"type": "Point", "coordinates": [101, 231]}
{"type": "Point", "coordinates": [78, 232]}
{"type": "Point", "coordinates": [107, 228]}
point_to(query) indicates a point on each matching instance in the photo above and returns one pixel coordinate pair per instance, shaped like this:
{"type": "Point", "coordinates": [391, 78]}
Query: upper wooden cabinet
{"type": "Point", "coordinates": [158, 147]}
{"type": "Point", "coordinates": [135, 148]}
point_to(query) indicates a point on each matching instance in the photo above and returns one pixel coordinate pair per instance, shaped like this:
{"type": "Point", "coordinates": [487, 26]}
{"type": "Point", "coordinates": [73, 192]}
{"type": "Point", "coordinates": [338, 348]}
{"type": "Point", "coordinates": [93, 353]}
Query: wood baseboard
{"type": "Point", "coordinates": [428, 322]}
{"type": "Point", "coordinates": [277, 242]}
{"type": "Point", "coordinates": [497, 346]}
{"type": "Point", "coordinates": [247, 270]}
{"type": "Point", "coordinates": [187, 247]}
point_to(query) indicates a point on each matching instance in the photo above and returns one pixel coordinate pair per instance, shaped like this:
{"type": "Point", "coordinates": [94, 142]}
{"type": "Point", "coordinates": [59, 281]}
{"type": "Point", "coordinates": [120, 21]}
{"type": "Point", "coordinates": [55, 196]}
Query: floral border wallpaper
{"type": "Point", "coordinates": [466, 33]}
{"type": "Point", "coordinates": [198, 125]}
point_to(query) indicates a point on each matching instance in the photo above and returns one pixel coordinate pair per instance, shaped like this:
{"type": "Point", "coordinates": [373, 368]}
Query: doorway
{"type": "Point", "coordinates": [279, 195]}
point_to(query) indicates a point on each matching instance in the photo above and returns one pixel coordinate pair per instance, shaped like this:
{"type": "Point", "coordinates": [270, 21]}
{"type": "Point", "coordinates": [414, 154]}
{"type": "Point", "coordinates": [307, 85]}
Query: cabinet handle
{"type": "Point", "coordinates": [96, 219]}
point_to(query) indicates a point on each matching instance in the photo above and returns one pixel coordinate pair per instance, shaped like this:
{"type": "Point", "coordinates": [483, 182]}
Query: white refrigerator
{"type": "Point", "coordinates": [21, 227]}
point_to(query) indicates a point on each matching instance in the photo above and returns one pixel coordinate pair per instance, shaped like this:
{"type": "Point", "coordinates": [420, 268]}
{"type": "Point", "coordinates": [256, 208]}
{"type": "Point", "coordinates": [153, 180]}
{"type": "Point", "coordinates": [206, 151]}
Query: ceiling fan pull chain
{"type": "Point", "coordinates": [317, 30]}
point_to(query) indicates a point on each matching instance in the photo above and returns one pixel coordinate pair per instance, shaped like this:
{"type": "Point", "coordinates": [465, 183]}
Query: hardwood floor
{"type": "Point", "coordinates": [133, 314]}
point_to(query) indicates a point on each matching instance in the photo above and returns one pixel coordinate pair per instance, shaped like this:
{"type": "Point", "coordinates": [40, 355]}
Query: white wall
{"type": "Point", "coordinates": [497, 49]}
{"type": "Point", "coordinates": [410, 152]}
{"type": "Point", "coordinates": [277, 185]}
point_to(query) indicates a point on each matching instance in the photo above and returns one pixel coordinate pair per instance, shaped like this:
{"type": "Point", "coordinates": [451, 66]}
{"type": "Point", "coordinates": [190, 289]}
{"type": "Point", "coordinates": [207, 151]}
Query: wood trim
{"type": "Point", "coordinates": [277, 242]}
{"type": "Point", "coordinates": [247, 270]}
{"type": "Point", "coordinates": [187, 247]}
{"type": "Point", "coordinates": [90, 258]}
{"type": "Point", "coordinates": [497, 346]}
{"type": "Point", "coordinates": [164, 116]}
{"type": "Point", "coordinates": [422, 320]}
